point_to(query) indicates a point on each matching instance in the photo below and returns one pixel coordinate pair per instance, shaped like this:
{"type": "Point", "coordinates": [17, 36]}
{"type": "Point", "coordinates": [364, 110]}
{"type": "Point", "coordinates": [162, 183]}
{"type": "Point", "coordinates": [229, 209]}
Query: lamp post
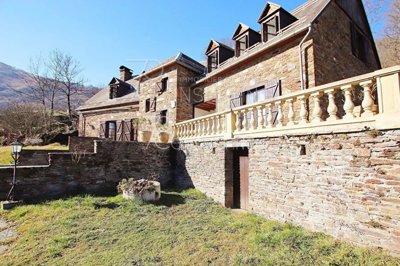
{"type": "Point", "coordinates": [15, 154]}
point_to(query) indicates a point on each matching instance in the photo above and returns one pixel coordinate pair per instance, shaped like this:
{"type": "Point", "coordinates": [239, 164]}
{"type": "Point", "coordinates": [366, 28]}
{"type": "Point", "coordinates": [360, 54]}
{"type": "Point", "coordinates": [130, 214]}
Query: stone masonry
{"type": "Point", "coordinates": [76, 172]}
{"type": "Point", "coordinates": [346, 185]}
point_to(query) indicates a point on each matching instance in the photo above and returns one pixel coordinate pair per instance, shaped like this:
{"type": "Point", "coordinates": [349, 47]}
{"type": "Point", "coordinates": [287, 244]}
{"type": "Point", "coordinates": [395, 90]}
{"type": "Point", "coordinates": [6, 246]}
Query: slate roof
{"type": "Point", "coordinates": [181, 59]}
{"type": "Point", "coordinates": [305, 15]}
{"type": "Point", "coordinates": [215, 44]}
{"type": "Point", "coordinates": [102, 98]}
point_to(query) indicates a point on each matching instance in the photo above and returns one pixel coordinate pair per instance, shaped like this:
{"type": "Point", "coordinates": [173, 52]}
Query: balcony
{"type": "Point", "coordinates": [366, 102]}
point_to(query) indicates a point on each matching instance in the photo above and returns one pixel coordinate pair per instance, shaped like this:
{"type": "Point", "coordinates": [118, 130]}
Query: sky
{"type": "Point", "coordinates": [102, 35]}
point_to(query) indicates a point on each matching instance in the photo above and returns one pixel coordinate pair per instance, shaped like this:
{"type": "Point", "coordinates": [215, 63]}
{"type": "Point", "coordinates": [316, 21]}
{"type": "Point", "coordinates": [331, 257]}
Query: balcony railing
{"type": "Point", "coordinates": [370, 101]}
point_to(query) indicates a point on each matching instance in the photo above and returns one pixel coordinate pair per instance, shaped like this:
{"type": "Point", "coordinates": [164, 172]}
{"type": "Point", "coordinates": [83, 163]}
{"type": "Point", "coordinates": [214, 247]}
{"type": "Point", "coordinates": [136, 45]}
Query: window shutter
{"type": "Point", "coordinates": [273, 91]}
{"type": "Point", "coordinates": [127, 130]}
{"type": "Point", "coordinates": [102, 133]}
{"type": "Point", "coordinates": [153, 104]}
{"type": "Point", "coordinates": [236, 101]}
{"type": "Point", "coordinates": [119, 125]}
{"type": "Point", "coordinates": [272, 27]}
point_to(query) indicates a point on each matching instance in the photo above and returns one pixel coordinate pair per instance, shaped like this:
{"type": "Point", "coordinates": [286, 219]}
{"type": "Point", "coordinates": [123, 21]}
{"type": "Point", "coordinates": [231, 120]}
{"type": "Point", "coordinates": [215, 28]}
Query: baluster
{"type": "Point", "coordinates": [192, 129]}
{"type": "Point", "coordinates": [260, 116]}
{"type": "Point", "coordinates": [291, 114]}
{"type": "Point", "coordinates": [197, 128]}
{"type": "Point", "coordinates": [303, 109]}
{"type": "Point", "coordinates": [177, 131]}
{"type": "Point", "coordinates": [238, 123]}
{"type": "Point", "coordinates": [203, 127]}
{"type": "Point", "coordinates": [244, 123]}
{"type": "Point", "coordinates": [252, 125]}
{"type": "Point", "coordinates": [368, 102]}
{"type": "Point", "coordinates": [279, 117]}
{"type": "Point", "coordinates": [332, 108]}
{"type": "Point", "coordinates": [348, 101]}
{"type": "Point", "coordinates": [317, 112]}
{"type": "Point", "coordinates": [213, 125]}
{"type": "Point", "coordinates": [269, 117]}
{"type": "Point", "coordinates": [221, 124]}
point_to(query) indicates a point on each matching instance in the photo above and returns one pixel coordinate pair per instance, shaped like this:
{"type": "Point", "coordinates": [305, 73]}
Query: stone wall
{"type": "Point", "coordinates": [97, 172]}
{"type": "Point", "coordinates": [346, 185]}
{"type": "Point", "coordinates": [333, 50]}
{"type": "Point", "coordinates": [90, 120]}
{"type": "Point", "coordinates": [81, 144]}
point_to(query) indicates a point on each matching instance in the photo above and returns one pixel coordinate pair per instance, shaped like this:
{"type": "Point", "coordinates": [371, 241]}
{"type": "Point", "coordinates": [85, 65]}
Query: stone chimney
{"type": "Point", "coordinates": [125, 73]}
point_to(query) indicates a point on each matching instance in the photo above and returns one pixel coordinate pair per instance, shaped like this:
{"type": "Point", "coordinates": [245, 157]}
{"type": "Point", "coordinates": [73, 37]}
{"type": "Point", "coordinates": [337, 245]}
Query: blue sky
{"type": "Point", "coordinates": [103, 35]}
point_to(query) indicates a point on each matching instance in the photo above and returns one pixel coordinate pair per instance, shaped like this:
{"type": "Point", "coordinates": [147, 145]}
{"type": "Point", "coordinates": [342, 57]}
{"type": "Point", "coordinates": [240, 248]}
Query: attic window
{"type": "Point", "coordinates": [270, 28]}
{"type": "Point", "coordinates": [164, 85]}
{"type": "Point", "coordinates": [359, 45]}
{"type": "Point", "coordinates": [213, 61]}
{"type": "Point", "coordinates": [241, 45]}
{"type": "Point", "coordinates": [113, 92]}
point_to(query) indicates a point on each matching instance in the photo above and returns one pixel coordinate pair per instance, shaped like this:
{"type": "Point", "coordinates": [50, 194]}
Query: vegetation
{"type": "Point", "coordinates": [5, 152]}
{"type": "Point", "coordinates": [183, 229]}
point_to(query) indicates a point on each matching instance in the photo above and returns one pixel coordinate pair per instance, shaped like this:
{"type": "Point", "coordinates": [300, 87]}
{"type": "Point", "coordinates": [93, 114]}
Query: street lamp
{"type": "Point", "coordinates": [16, 148]}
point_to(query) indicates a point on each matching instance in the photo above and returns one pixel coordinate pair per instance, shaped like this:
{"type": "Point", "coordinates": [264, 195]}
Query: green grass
{"type": "Point", "coordinates": [5, 152]}
{"type": "Point", "coordinates": [184, 229]}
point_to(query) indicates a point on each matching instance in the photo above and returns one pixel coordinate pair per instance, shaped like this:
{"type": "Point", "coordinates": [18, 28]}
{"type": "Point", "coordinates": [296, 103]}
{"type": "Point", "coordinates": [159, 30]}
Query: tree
{"type": "Point", "coordinates": [68, 70]}
{"type": "Point", "coordinates": [392, 32]}
{"type": "Point", "coordinates": [44, 83]}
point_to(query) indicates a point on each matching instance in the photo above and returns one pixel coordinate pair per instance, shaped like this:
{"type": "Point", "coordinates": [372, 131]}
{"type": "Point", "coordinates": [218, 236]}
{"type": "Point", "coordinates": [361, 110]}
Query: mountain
{"type": "Point", "coordinates": [13, 81]}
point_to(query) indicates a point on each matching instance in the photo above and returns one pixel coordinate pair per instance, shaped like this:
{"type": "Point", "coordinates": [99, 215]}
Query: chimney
{"type": "Point", "coordinates": [125, 73]}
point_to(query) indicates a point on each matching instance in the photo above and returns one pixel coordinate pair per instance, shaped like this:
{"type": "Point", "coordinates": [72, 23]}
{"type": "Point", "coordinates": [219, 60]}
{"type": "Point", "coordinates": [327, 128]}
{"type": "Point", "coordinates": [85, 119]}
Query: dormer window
{"type": "Point", "coordinates": [270, 29]}
{"type": "Point", "coordinates": [274, 19]}
{"type": "Point", "coordinates": [213, 61]}
{"type": "Point", "coordinates": [113, 92]}
{"type": "Point", "coordinates": [241, 45]}
{"type": "Point", "coordinates": [245, 38]}
{"type": "Point", "coordinates": [217, 53]}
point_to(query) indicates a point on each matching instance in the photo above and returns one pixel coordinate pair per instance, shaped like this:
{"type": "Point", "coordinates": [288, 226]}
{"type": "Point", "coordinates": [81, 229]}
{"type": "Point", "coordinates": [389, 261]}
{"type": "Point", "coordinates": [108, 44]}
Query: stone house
{"type": "Point", "coordinates": [296, 122]}
{"type": "Point", "coordinates": [112, 112]}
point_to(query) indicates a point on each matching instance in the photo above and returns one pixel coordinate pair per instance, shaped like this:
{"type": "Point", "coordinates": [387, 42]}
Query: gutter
{"type": "Point", "coordinates": [301, 58]}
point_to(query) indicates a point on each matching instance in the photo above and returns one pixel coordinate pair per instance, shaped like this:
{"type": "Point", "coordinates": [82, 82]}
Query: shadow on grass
{"type": "Point", "coordinates": [169, 200]}
{"type": "Point", "coordinates": [105, 205]}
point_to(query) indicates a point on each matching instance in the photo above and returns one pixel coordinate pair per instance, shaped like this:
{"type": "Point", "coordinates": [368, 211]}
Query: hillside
{"type": "Point", "coordinates": [13, 80]}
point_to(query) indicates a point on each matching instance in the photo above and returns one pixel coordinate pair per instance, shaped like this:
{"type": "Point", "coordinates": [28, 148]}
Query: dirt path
{"type": "Point", "coordinates": [7, 235]}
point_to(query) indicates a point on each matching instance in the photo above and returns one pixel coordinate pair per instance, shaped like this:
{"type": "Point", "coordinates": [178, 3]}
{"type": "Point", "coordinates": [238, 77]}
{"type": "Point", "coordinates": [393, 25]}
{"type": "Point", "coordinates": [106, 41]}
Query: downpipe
{"type": "Point", "coordinates": [301, 58]}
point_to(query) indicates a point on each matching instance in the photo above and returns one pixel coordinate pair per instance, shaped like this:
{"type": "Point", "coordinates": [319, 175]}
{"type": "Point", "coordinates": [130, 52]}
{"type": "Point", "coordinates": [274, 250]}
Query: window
{"type": "Point", "coordinates": [270, 29]}
{"type": "Point", "coordinates": [164, 85]}
{"type": "Point", "coordinates": [213, 61]}
{"type": "Point", "coordinates": [148, 102]}
{"type": "Point", "coordinates": [111, 130]}
{"type": "Point", "coordinates": [359, 45]}
{"type": "Point", "coordinates": [241, 45]}
{"type": "Point", "coordinates": [255, 95]}
{"type": "Point", "coordinates": [113, 92]}
{"type": "Point", "coordinates": [162, 117]}
{"type": "Point", "coordinates": [150, 105]}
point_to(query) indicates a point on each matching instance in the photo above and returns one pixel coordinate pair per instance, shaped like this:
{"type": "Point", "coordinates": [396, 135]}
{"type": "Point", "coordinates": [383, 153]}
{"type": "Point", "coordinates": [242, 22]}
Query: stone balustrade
{"type": "Point", "coordinates": [326, 108]}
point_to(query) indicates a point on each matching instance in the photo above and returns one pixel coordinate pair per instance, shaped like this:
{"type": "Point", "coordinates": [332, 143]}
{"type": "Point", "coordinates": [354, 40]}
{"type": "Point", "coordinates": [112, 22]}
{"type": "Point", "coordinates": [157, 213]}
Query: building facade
{"type": "Point", "coordinates": [295, 122]}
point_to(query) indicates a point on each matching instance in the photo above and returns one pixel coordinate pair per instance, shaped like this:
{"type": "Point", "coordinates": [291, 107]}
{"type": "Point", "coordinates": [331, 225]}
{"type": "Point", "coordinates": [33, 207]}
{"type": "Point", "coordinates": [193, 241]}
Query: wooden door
{"type": "Point", "coordinates": [244, 182]}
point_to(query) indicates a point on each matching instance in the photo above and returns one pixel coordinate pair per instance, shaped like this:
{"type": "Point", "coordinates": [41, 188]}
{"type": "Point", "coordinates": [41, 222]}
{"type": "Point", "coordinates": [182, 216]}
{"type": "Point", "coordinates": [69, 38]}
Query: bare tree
{"type": "Point", "coordinates": [69, 71]}
{"type": "Point", "coordinates": [44, 82]}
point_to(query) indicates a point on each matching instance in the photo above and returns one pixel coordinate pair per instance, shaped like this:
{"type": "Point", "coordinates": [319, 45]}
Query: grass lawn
{"type": "Point", "coordinates": [5, 152]}
{"type": "Point", "coordinates": [184, 229]}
